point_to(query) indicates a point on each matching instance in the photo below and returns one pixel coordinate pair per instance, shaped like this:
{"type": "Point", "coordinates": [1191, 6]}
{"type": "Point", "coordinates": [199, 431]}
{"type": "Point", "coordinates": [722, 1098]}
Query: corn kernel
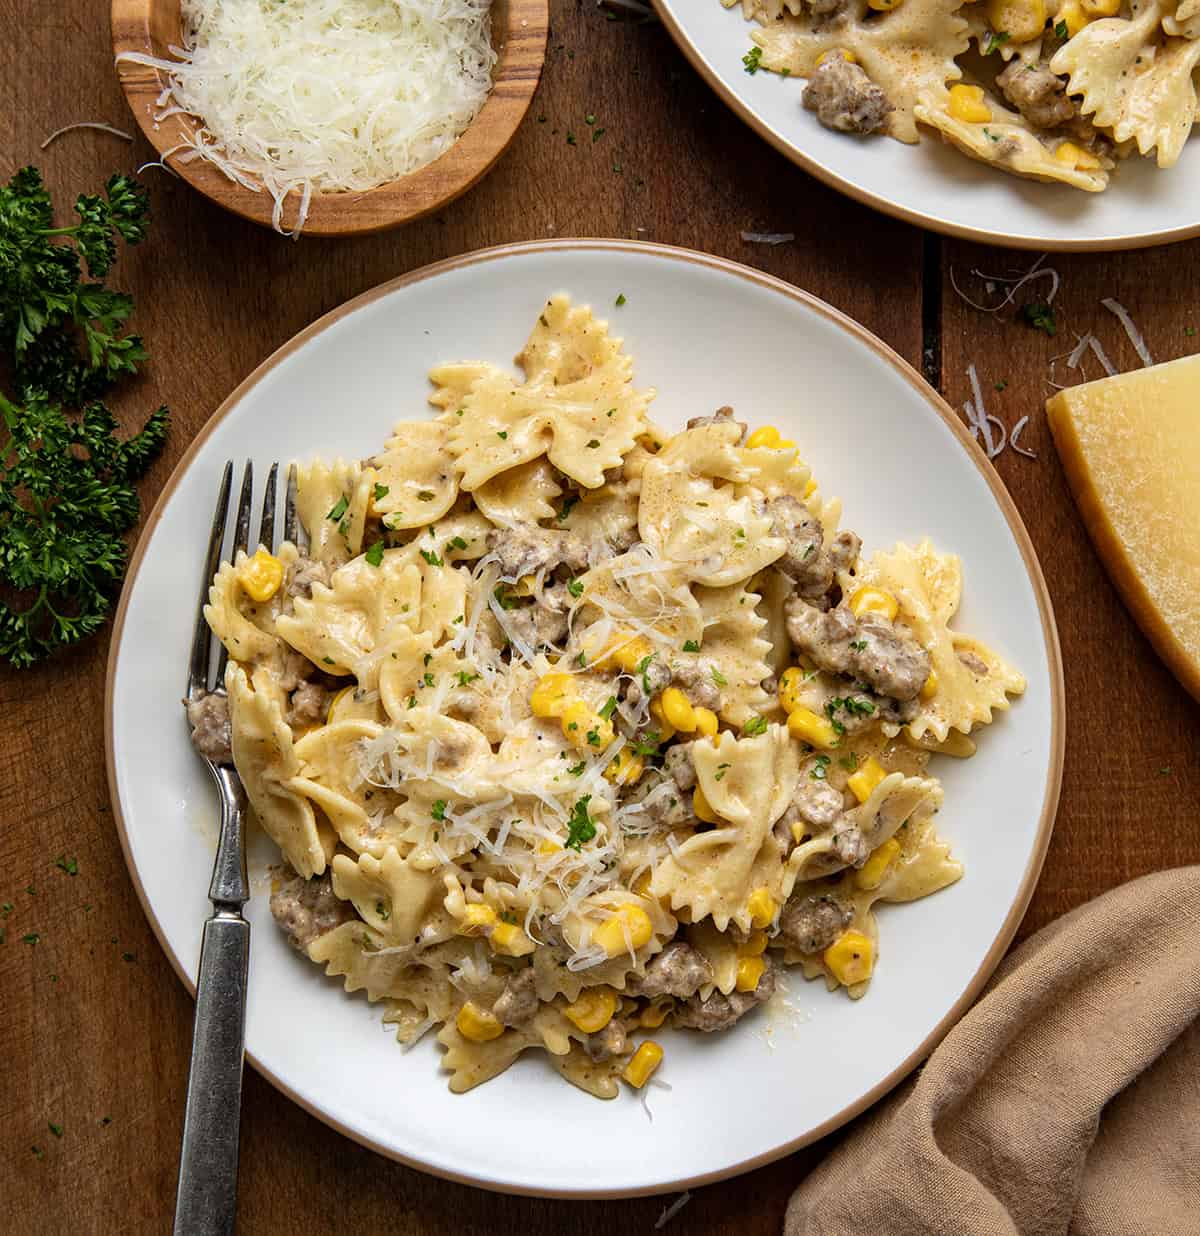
{"type": "Point", "coordinates": [706, 722]}
{"type": "Point", "coordinates": [552, 695]}
{"type": "Point", "coordinates": [625, 768]}
{"type": "Point", "coordinates": [1074, 156]}
{"type": "Point", "coordinates": [862, 784]}
{"type": "Point", "coordinates": [611, 934]}
{"type": "Point", "coordinates": [547, 846]}
{"type": "Point", "coordinates": [333, 703]}
{"type": "Point", "coordinates": [477, 1024]}
{"type": "Point", "coordinates": [764, 435]}
{"type": "Point", "coordinates": [929, 690]}
{"type": "Point", "coordinates": [749, 971]}
{"type": "Point", "coordinates": [665, 729]}
{"type": "Point", "coordinates": [876, 600]}
{"type": "Point", "coordinates": [702, 808]}
{"type": "Point", "coordinates": [593, 1010]}
{"type": "Point", "coordinates": [848, 56]}
{"type": "Point", "coordinates": [871, 874]}
{"type": "Point", "coordinates": [1073, 17]}
{"type": "Point", "coordinates": [678, 710]}
{"type": "Point", "coordinates": [584, 728]}
{"type": "Point", "coordinates": [805, 725]}
{"type": "Point", "coordinates": [261, 576]}
{"type": "Point", "coordinates": [653, 1015]}
{"type": "Point", "coordinates": [850, 958]}
{"type": "Point", "coordinates": [632, 652]}
{"type": "Point", "coordinates": [509, 940]}
{"type": "Point", "coordinates": [645, 1060]}
{"type": "Point", "coordinates": [1021, 20]}
{"type": "Point", "coordinates": [967, 105]}
{"type": "Point", "coordinates": [478, 920]}
{"type": "Point", "coordinates": [755, 946]}
{"type": "Point", "coordinates": [762, 907]}
{"type": "Point", "coordinates": [790, 682]}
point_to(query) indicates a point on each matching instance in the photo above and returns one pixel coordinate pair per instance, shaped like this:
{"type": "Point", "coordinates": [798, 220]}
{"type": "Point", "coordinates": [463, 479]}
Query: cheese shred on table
{"type": "Point", "coordinates": [326, 95]}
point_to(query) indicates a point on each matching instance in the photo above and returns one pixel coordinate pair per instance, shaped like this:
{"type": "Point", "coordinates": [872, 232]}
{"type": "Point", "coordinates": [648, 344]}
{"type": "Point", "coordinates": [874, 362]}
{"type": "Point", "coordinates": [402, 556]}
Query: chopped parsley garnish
{"type": "Point", "coordinates": [381, 912]}
{"type": "Point", "coordinates": [431, 557]}
{"type": "Point", "coordinates": [464, 677]}
{"type": "Point", "coordinates": [580, 827]}
{"type": "Point", "coordinates": [429, 679]}
{"type": "Point", "coordinates": [502, 434]}
{"type": "Point", "coordinates": [691, 645]}
{"type": "Point", "coordinates": [808, 553]}
{"type": "Point", "coordinates": [576, 770]}
{"type": "Point", "coordinates": [56, 1129]}
{"type": "Point", "coordinates": [374, 554]}
{"type": "Point", "coordinates": [994, 40]}
{"type": "Point", "coordinates": [426, 495]}
{"type": "Point", "coordinates": [610, 706]}
{"type": "Point", "coordinates": [575, 587]}
{"type": "Point", "coordinates": [593, 444]}
{"type": "Point", "coordinates": [852, 704]}
{"type": "Point", "coordinates": [858, 644]}
{"type": "Point", "coordinates": [570, 138]}
{"type": "Point", "coordinates": [581, 659]}
{"type": "Point", "coordinates": [1060, 29]}
{"type": "Point", "coordinates": [569, 503]}
{"type": "Point", "coordinates": [718, 677]}
{"type": "Point", "coordinates": [338, 509]}
{"type": "Point", "coordinates": [647, 744]}
{"type": "Point", "coordinates": [381, 491]}
{"type": "Point", "coordinates": [502, 597]}
{"type": "Point", "coordinates": [439, 809]}
{"type": "Point", "coordinates": [642, 667]}
{"type": "Point", "coordinates": [820, 763]}
{"type": "Point", "coordinates": [722, 769]}
{"type": "Point", "coordinates": [327, 660]}
{"type": "Point", "coordinates": [457, 542]}
{"type": "Point", "coordinates": [1002, 385]}
{"type": "Point", "coordinates": [30, 937]}
{"type": "Point", "coordinates": [427, 658]}
{"type": "Point", "coordinates": [507, 916]}
{"type": "Point", "coordinates": [620, 299]}
{"type": "Point", "coordinates": [756, 725]}
{"type": "Point", "coordinates": [593, 737]}
{"type": "Point", "coordinates": [1040, 316]}
{"type": "Point", "coordinates": [412, 701]}
{"type": "Point", "coordinates": [69, 865]}
{"type": "Point", "coordinates": [751, 60]}
{"type": "Point", "coordinates": [849, 762]}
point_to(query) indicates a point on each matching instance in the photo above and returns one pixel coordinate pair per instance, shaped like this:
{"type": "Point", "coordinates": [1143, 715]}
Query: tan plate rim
{"type": "Point", "coordinates": [1143, 240]}
{"type": "Point", "coordinates": [974, 453]}
{"type": "Point", "coordinates": [515, 79]}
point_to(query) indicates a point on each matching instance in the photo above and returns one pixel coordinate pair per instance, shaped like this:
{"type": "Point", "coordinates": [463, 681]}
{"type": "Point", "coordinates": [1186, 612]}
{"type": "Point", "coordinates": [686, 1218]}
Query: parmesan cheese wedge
{"type": "Point", "coordinates": [1130, 446]}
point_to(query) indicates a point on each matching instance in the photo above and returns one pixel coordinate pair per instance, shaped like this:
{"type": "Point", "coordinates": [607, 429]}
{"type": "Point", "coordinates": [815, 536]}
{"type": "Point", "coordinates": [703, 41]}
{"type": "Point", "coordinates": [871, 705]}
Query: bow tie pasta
{"type": "Point", "coordinates": [1051, 90]}
{"type": "Point", "coordinates": [568, 728]}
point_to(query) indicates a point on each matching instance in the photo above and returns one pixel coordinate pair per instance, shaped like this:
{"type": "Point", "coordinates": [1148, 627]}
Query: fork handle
{"type": "Point", "coordinates": [206, 1203]}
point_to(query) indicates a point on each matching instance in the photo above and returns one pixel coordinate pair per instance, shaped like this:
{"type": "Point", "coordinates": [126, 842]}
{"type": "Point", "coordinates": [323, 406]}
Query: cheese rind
{"type": "Point", "coordinates": [1130, 446]}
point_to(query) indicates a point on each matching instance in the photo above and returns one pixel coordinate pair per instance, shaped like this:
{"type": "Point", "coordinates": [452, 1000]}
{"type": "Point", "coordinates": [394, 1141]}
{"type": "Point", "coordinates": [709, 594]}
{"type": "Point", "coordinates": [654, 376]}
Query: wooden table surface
{"type": "Point", "coordinates": [94, 1026]}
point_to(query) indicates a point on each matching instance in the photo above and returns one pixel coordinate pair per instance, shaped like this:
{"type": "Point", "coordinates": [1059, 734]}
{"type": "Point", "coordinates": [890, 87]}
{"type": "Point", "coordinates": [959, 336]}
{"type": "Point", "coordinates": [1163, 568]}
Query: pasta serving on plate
{"type": "Point", "coordinates": [567, 727]}
{"type": "Point", "coordinates": [1054, 90]}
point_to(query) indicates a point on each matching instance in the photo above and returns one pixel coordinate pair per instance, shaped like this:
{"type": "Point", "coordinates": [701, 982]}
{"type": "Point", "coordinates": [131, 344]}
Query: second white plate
{"type": "Point", "coordinates": [703, 332]}
{"type": "Point", "coordinates": [932, 184]}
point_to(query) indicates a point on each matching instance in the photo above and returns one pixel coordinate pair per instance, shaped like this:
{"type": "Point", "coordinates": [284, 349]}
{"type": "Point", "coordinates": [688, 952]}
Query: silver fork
{"type": "Point", "coordinates": [206, 1201]}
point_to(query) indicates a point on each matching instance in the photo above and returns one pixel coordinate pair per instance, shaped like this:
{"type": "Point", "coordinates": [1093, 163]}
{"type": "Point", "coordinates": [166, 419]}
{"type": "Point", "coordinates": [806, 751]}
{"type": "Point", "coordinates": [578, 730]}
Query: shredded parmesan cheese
{"type": "Point", "coordinates": [768, 238]}
{"type": "Point", "coordinates": [1119, 311]}
{"type": "Point", "coordinates": [1016, 433]}
{"type": "Point", "coordinates": [328, 95]}
{"type": "Point", "coordinates": [87, 124]}
{"type": "Point", "coordinates": [673, 1209]}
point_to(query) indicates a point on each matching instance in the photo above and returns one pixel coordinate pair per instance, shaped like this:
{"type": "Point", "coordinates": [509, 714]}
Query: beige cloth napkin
{"type": "Point", "coordinates": [1067, 1101]}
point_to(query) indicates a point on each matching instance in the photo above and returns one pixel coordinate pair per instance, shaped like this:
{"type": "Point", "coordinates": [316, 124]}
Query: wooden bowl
{"type": "Point", "coordinates": [519, 30]}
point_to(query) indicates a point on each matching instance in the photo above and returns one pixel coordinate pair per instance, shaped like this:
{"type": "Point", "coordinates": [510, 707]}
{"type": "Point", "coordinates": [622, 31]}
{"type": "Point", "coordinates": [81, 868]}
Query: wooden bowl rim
{"type": "Point", "coordinates": [521, 51]}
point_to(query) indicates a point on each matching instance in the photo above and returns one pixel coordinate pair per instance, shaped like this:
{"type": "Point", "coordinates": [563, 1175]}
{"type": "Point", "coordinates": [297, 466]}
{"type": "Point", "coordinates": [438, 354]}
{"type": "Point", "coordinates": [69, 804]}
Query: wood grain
{"type": "Point", "coordinates": [94, 1022]}
{"type": "Point", "coordinates": [152, 27]}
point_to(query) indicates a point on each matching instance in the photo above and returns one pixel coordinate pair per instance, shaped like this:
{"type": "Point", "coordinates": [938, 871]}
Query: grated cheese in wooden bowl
{"type": "Point", "coordinates": [324, 96]}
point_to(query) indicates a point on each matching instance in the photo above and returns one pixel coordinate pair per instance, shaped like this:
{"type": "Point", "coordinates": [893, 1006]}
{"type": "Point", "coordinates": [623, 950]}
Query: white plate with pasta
{"type": "Point", "coordinates": [620, 762]}
{"type": "Point", "coordinates": [1056, 124]}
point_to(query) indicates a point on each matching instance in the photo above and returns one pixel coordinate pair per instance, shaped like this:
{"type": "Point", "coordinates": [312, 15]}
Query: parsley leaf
{"type": "Point", "coordinates": [719, 678]}
{"type": "Point", "coordinates": [820, 764]}
{"type": "Point", "coordinates": [464, 677]}
{"type": "Point", "coordinates": [722, 769]}
{"type": "Point", "coordinates": [338, 509]}
{"type": "Point", "coordinates": [374, 554]}
{"type": "Point", "coordinates": [576, 770]}
{"type": "Point", "coordinates": [381, 491]}
{"type": "Point", "coordinates": [580, 827]}
{"type": "Point", "coordinates": [69, 865]}
{"type": "Point", "coordinates": [690, 645]}
{"type": "Point", "coordinates": [620, 300]}
{"type": "Point", "coordinates": [439, 809]}
{"type": "Point", "coordinates": [647, 744]}
{"type": "Point", "coordinates": [756, 725]}
{"type": "Point", "coordinates": [431, 557]}
{"type": "Point", "coordinates": [568, 503]}
{"type": "Point", "coordinates": [751, 60]}
{"type": "Point", "coordinates": [610, 706]}
{"type": "Point", "coordinates": [575, 587]}
{"type": "Point", "coordinates": [1040, 316]}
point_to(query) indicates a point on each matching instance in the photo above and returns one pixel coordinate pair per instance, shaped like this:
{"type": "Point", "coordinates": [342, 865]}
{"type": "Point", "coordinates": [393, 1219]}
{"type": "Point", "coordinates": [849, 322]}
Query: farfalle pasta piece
{"type": "Point", "coordinates": [470, 1063]}
{"type": "Point", "coordinates": [267, 764]}
{"type": "Point", "coordinates": [1007, 141]}
{"type": "Point", "coordinates": [1133, 82]}
{"type": "Point", "coordinates": [607, 515]}
{"type": "Point", "coordinates": [331, 503]}
{"type": "Point", "coordinates": [972, 680]}
{"type": "Point", "coordinates": [715, 535]}
{"type": "Point", "coordinates": [1185, 21]}
{"type": "Point", "coordinates": [414, 482]}
{"type": "Point", "coordinates": [520, 495]}
{"type": "Point", "coordinates": [733, 640]}
{"type": "Point", "coordinates": [392, 897]}
{"type": "Point", "coordinates": [748, 783]}
{"type": "Point", "coordinates": [640, 591]}
{"type": "Point", "coordinates": [774, 588]}
{"type": "Point", "coordinates": [577, 404]}
{"type": "Point", "coordinates": [905, 51]}
{"type": "Point", "coordinates": [246, 627]}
